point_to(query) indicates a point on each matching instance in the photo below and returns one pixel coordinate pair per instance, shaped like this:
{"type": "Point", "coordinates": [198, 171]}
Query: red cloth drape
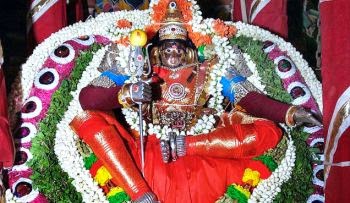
{"type": "Point", "coordinates": [335, 31]}
{"type": "Point", "coordinates": [6, 143]}
{"type": "Point", "coordinates": [49, 19]}
{"type": "Point", "coordinates": [272, 15]}
{"type": "Point", "coordinates": [195, 177]}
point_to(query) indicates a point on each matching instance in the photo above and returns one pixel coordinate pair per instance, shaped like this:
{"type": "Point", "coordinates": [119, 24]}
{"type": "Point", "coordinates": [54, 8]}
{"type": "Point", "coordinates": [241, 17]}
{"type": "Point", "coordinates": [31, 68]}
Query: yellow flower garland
{"type": "Point", "coordinates": [251, 177]}
{"type": "Point", "coordinates": [114, 191]}
{"type": "Point", "coordinates": [245, 192]}
{"type": "Point", "coordinates": [102, 176]}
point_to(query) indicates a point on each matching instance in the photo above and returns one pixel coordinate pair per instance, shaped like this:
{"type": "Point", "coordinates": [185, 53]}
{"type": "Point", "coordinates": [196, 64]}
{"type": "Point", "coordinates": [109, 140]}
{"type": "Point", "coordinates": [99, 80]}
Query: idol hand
{"type": "Point", "coordinates": [305, 117]}
{"type": "Point", "coordinates": [140, 92]}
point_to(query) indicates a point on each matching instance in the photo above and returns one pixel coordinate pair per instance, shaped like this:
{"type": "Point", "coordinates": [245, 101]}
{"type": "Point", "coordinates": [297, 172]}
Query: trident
{"type": "Point", "coordinates": [138, 38]}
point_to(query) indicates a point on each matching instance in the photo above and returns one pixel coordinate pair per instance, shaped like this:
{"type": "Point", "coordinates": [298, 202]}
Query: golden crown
{"type": "Point", "coordinates": [173, 28]}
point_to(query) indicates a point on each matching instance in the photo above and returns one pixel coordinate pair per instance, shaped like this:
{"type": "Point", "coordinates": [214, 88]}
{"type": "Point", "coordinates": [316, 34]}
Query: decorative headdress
{"type": "Point", "coordinates": [173, 28]}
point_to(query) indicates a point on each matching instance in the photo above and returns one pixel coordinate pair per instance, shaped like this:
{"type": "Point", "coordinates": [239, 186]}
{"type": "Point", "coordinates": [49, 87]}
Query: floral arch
{"type": "Point", "coordinates": [51, 165]}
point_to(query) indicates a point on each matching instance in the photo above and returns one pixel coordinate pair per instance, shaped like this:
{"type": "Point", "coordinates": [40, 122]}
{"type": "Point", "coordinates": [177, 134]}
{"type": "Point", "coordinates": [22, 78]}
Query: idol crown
{"type": "Point", "coordinates": [173, 28]}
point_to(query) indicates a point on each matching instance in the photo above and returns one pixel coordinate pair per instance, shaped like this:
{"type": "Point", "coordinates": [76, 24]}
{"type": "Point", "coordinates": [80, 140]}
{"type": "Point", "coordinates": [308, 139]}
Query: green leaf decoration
{"type": "Point", "coordinates": [235, 194]}
{"type": "Point", "coordinates": [89, 161]}
{"type": "Point", "coordinates": [47, 175]}
{"type": "Point", "coordinates": [119, 198]}
{"type": "Point", "coordinates": [268, 161]}
{"type": "Point", "coordinates": [299, 187]}
{"type": "Point", "coordinates": [265, 67]}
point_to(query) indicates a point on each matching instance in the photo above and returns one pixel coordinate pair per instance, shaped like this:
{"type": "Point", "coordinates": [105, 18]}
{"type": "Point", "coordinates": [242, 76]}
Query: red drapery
{"type": "Point", "coordinates": [335, 29]}
{"type": "Point", "coordinates": [49, 17]}
{"type": "Point", "coordinates": [45, 19]}
{"type": "Point", "coordinates": [6, 144]}
{"type": "Point", "coordinates": [268, 14]}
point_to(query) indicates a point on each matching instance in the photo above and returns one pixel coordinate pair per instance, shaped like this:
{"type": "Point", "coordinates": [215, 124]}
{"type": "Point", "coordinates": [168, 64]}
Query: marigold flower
{"type": "Point", "coordinates": [160, 9]}
{"type": "Point", "coordinates": [123, 40]}
{"type": "Point", "coordinates": [102, 176]}
{"type": "Point", "coordinates": [224, 30]}
{"type": "Point", "coordinates": [185, 8]}
{"type": "Point", "coordinates": [251, 177]}
{"type": "Point", "coordinates": [152, 30]}
{"type": "Point", "coordinates": [199, 39]}
{"type": "Point", "coordinates": [123, 23]}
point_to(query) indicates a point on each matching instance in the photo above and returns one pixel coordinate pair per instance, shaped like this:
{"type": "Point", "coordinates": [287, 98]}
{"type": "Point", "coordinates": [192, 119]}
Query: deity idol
{"type": "Point", "coordinates": [182, 163]}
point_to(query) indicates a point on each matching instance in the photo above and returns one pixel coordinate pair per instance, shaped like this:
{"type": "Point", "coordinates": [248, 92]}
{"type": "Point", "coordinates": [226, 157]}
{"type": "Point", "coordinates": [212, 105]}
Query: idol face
{"type": "Point", "coordinates": [173, 54]}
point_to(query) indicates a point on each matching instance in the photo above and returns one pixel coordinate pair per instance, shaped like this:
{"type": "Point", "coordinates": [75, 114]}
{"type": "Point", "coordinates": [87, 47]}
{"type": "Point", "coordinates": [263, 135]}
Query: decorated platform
{"type": "Point", "coordinates": [53, 165]}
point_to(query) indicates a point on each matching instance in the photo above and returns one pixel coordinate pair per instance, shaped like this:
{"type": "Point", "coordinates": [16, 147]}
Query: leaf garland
{"type": "Point", "coordinates": [47, 175]}
{"type": "Point", "coordinates": [265, 67]}
{"type": "Point", "coordinates": [299, 187]}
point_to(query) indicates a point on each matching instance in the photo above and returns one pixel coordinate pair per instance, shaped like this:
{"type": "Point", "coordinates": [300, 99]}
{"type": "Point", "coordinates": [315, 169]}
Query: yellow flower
{"type": "Point", "coordinates": [138, 38]}
{"type": "Point", "coordinates": [102, 176]}
{"type": "Point", "coordinates": [114, 191]}
{"type": "Point", "coordinates": [251, 177]}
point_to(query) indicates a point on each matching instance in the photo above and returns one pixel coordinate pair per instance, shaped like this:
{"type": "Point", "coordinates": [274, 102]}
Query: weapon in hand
{"type": "Point", "coordinates": [138, 39]}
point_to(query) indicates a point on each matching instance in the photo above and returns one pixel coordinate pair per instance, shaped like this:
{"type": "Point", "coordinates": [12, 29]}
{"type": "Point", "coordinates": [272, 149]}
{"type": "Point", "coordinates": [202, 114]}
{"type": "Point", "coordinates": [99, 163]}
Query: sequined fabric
{"type": "Point", "coordinates": [107, 144]}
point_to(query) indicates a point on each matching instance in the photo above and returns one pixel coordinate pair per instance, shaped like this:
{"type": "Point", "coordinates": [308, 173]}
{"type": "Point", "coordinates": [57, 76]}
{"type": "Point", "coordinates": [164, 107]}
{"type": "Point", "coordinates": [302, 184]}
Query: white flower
{"type": "Point", "coordinates": [104, 25]}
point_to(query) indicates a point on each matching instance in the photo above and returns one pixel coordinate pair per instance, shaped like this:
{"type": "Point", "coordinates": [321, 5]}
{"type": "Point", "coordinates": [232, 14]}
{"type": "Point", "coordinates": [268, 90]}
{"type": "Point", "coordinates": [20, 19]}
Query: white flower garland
{"type": "Point", "coordinates": [65, 140]}
{"type": "Point", "coordinates": [254, 78]}
{"type": "Point", "coordinates": [267, 189]}
{"type": "Point", "coordinates": [227, 57]}
{"type": "Point", "coordinates": [205, 124]}
{"type": "Point", "coordinates": [139, 19]}
{"type": "Point", "coordinates": [304, 68]}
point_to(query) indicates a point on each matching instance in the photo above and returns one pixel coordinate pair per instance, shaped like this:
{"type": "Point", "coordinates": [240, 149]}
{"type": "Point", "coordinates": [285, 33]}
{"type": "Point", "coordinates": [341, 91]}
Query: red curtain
{"type": "Point", "coordinates": [6, 143]}
{"type": "Point", "coordinates": [49, 18]}
{"type": "Point", "coordinates": [269, 14]}
{"type": "Point", "coordinates": [45, 20]}
{"type": "Point", "coordinates": [335, 32]}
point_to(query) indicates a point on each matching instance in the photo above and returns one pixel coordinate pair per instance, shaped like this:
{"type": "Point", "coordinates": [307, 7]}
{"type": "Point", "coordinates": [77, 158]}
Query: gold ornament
{"type": "Point", "coordinates": [173, 24]}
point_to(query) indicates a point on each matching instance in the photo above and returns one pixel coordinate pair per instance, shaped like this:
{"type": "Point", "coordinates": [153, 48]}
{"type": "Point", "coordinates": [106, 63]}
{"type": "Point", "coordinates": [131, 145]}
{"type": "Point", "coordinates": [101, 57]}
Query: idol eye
{"type": "Point", "coordinates": [180, 51]}
{"type": "Point", "coordinates": [168, 51]}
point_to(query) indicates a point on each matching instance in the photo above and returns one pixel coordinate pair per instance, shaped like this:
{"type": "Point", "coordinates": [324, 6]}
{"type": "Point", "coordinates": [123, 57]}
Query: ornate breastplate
{"type": "Point", "coordinates": [181, 96]}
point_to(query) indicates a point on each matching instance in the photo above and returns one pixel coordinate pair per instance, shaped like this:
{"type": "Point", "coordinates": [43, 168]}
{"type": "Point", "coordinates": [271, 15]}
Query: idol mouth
{"type": "Point", "coordinates": [173, 60]}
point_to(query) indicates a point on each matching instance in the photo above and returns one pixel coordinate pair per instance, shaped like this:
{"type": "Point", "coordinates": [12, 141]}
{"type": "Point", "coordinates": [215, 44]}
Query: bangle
{"type": "Point", "coordinates": [124, 97]}
{"type": "Point", "coordinates": [239, 108]}
{"type": "Point", "coordinates": [290, 116]}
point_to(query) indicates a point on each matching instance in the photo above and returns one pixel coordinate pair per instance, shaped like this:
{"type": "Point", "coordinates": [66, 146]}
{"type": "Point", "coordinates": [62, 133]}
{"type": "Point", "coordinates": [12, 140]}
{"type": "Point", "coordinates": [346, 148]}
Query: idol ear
{"type": "Point", "coordinates": [154, 56]}
{"type": "Point", "coordinates": [191, 56]}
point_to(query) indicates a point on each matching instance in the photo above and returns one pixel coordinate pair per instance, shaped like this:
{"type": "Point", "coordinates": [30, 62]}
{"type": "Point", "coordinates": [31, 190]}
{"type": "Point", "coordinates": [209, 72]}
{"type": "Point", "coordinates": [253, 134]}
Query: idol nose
{"type": "Point", "coordinates": [173, 54]}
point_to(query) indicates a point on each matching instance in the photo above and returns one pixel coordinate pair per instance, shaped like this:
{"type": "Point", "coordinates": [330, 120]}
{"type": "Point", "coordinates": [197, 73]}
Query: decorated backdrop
{"type": "Point", "coordinates": [52, 164]}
